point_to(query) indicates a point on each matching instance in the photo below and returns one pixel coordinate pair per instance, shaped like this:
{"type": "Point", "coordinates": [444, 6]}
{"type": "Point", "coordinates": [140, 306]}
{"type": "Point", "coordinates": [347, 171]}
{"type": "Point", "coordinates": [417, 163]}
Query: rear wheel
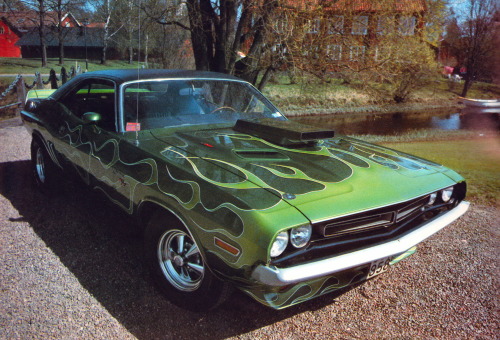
{"type": "Point", "coordinates": [43, 168]}
{"type": "Point", "coordinates": [178, 267]}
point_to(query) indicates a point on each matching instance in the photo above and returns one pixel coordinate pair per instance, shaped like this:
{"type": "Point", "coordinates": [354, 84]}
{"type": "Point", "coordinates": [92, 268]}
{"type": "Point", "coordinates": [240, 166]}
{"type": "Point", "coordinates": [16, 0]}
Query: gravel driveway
{"type": "Point", "coordinates": [70, 267]}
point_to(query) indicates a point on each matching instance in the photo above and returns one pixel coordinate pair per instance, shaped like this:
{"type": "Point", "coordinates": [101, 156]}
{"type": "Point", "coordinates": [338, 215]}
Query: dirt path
{"type": "Point", "coordinates": [71, 267]}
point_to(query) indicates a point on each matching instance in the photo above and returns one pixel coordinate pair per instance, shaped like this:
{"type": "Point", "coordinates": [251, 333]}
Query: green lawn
{"type": "Point", "coordinates": [21, 65]}
{"type": "Point", "coordinates": [30, 66]}
{"type": "Point", "coordinates": [321, 98]}
{"type": "Point", "coordinates": [477, 160]}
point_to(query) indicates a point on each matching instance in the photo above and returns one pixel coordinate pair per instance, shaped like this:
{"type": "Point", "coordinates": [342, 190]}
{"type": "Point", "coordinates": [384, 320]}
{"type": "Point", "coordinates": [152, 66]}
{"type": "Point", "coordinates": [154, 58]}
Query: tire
{"type": "Point", "coordinates": [43, 168]}
{"type": "Point", "coordinates": [178, 267]}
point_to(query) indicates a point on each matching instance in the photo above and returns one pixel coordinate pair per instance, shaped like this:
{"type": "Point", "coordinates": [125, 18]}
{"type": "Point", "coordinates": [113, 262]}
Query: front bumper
{"type": "Point", "coordinates": [273, 276]}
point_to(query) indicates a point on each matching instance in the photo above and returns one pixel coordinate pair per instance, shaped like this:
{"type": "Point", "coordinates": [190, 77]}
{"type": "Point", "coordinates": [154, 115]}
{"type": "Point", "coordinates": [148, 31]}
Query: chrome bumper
{"type": "Point", "coordinates": [272, 276]}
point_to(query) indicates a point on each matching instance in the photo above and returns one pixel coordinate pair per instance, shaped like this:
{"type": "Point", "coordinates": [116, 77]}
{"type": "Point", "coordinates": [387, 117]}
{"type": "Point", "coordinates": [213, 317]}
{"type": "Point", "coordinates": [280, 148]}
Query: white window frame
{"type": "Point", "coordinates": [407, 25]}
{"type": "Point", "coordinates": [334, 52]}
{"type": "Point", "coordinates": [360, 25]}
{"type": "Point", "coordinates": [336, 25]}
{"type": "Point", "coordinates": [314, 26]}
{"type": "Point", "coordinates": [384, 24]}
{"type": "Point", "coordinates": [357, 52]}
{"type": "Point", "coordinates": [281, 24]}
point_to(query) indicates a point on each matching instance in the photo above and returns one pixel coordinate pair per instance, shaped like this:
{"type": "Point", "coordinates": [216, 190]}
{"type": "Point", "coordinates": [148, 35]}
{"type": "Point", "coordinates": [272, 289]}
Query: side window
{"type": "Point", "coordinates": [93, 96]}
{"type": "Point", "coordinates": [75, 100]}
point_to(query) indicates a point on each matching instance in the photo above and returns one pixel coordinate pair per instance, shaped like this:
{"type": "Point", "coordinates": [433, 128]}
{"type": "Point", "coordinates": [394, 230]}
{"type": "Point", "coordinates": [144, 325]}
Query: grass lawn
{"type": "Point", "coordinates": [324, 97]}
{"type": "Point", "coordinates": [30, 66]}
{"type": "Point", "coordinates": [477, 160]}
{"type": "Point", "coordinates": [23, 66]}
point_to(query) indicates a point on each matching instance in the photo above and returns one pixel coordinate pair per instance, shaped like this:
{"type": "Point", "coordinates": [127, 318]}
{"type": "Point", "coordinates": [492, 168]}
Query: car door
{"type": "Point", "coordinates": [91, 143]}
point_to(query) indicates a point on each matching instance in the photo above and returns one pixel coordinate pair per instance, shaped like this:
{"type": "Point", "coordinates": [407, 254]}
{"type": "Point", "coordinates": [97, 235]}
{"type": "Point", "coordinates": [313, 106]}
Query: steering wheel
{"type": "Point", "coordinates": [222, 108]}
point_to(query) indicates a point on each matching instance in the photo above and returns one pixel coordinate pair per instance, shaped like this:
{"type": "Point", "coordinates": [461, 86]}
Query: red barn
{"type": "Point", "coordinates": [9, 35]}
{"type": "Point", "coordinates": [13, 25]}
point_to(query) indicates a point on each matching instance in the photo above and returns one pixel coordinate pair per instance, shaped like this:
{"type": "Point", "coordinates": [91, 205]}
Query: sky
{"type": "Point", "coordinates": [458, 6]}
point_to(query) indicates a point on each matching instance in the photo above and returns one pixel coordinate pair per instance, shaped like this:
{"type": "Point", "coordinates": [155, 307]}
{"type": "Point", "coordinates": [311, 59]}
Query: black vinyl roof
{"type": "Point", "coordinates": [125, 75]}
{"type": "Point", "coordinates": [120, 76]}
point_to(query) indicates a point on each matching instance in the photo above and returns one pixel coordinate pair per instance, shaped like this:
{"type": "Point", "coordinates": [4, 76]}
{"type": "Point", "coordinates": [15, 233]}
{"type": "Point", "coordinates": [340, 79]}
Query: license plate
{"type": "Point", "coordinates": [379, 266]}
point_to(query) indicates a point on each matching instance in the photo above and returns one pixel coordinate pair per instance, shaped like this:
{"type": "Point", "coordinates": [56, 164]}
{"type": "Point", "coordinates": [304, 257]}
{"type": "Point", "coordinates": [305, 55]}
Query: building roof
{"type": "Point", "coordinates": [73, 37]}
{"type": "Point", "coordinates": [27, 20]}
{"type": "Point", "coordinates": [9, 24]}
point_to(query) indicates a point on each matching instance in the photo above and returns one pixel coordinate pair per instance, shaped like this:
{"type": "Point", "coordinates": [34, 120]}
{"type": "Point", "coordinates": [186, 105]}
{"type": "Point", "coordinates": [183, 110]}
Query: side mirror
{"type": "Point", "coordinates": [30, 105]}
{"type": "Point", "coordinates": [91, 117]}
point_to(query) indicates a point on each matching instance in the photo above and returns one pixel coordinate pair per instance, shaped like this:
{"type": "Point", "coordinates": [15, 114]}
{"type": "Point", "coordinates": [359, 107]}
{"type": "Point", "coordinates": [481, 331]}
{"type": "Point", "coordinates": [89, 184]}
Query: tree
{"type": "Point", "coordinates": [436, 16]}
{"type": "Point", "coordinates": [107, 35]}
{"type": "Point", "coordinates": [41, 31]}
{"type": "Point", "coordinates": [49, 14]}
{"type": "Point", "coordinates": [60, 8]}
{"type": "Point", "coordinates": [475, 30]}
{"type": "Point", "coordinates": [369, 43]}
{"type": "Point", "coordinates": [12, 5]}
{"type": "Point", "coordinates": [219, 30]}
{"type": "Point", "coordinates": [295, 35]}
{"type": "Point", "coordinates": [106, 12]}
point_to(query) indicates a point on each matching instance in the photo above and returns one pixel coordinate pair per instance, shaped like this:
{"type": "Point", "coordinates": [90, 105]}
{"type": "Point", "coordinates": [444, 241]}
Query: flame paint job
{"type": "Point", "coordinates": [237, 188]}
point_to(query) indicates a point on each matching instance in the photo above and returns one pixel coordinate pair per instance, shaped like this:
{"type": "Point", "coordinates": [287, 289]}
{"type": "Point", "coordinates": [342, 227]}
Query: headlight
{"type": "Point", "coordinates": [279, 244]}
{"type": "Point", "coordinates": [432, 198]}
{"type": "Point", "coordinates": [446, 194]}
{"type": "Point", "coordinates": [299, 236]}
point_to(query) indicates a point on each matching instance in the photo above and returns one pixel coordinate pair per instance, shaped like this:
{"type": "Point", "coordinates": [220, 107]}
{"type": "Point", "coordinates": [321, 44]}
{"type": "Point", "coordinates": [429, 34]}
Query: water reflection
{"type": "Point", "coordinates": [391, 124]}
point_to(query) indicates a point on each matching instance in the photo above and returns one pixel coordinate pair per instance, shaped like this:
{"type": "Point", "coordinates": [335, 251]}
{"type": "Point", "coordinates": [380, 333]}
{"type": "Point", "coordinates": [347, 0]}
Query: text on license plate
{"type": "Point", "coordinates": [379, 266]}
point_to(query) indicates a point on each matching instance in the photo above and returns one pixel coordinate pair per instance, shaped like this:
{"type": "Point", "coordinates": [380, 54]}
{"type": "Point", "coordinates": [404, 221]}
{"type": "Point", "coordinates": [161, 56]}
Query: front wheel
{"type": "Point", "coordinates": [178, 267]}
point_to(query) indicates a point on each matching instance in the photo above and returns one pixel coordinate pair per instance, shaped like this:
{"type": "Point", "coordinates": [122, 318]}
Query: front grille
{"type": "Point", "coordinates": [377, 221]}
{"type": "Point", "coordinates": [358, 225]}
{"type": "Point", "coordinates": [349, 233]}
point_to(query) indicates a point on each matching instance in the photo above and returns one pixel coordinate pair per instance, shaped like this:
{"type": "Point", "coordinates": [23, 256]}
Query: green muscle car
{"type": "Point", "coordinates": [232, 194]}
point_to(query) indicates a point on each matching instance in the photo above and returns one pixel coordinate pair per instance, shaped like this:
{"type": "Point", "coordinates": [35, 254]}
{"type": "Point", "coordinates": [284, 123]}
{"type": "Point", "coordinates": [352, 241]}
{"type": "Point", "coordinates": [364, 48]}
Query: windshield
{"type": "Point", "coordinates": [165, 103]}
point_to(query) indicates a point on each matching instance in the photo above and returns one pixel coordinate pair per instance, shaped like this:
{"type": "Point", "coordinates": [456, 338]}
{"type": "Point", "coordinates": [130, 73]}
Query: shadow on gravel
{"type": "Point", "coordinates": [102, 248]}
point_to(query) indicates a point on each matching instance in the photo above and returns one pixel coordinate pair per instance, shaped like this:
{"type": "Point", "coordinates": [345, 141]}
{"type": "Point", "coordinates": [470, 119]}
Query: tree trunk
{"type": "Point", "coordinates": [265, 78]}
{"type": "Point", "coordinates": [467, 84]}
{"type": "Point", "coordinates": [105, 43]}
{"type": "Point", "coordinates": [41, 31]}
{"type": "Point", "coordinates": [470, 75]}
{"type": "Point", "coordinates": [60, 31]}
{"type": "Point", "coordinates": [146, 53]}
{"type": "Point", "coordinates": [103, 56]}
{"type": "Point", "coordinates": [61, 51]}
{"type": "Point", "coordinates": [202, 48]}
{"type": "Point", "coordinates": [242, 24]}
{"type": "Point", "coordinates": [106, 32]}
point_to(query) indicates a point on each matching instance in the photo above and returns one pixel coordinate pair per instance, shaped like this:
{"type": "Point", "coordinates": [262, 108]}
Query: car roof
{"type": "Point", "coordinates": [125, 75]}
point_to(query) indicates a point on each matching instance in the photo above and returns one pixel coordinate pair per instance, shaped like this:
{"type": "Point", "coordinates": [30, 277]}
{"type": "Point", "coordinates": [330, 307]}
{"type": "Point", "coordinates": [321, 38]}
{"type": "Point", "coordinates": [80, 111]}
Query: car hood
{"type": "Point", "coordinates": [329, 178]}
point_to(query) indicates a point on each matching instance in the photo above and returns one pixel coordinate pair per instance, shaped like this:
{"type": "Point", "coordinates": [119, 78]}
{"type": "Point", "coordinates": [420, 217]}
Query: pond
{"type": "Point", "coordinates": [397, 123]}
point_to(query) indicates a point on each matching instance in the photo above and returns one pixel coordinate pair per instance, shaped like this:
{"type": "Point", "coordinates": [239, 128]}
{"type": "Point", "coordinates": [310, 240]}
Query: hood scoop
{"type": "Point", "coordinates": [282, 132]}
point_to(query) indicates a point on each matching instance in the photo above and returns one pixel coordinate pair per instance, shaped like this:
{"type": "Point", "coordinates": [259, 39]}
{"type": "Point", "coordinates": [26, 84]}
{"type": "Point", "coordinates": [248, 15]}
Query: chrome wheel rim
{"type": "Point", "coordinates": [40, 165]}
{"type": "Point", "coordinates": [180, 260]}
